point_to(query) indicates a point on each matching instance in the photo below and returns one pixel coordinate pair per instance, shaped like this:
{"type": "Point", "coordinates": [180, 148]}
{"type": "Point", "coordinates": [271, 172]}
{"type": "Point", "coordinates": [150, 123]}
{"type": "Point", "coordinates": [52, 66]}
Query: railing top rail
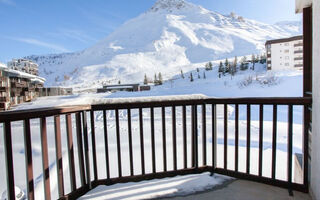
{"type": "Point", "coordinates": [17, 115]}
{"type": "Point", "coordinates": [245, 100]}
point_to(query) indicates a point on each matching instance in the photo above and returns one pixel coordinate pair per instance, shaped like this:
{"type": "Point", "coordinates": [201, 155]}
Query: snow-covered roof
{"type": "Point", "coordinates": [3, 66]}
{"type": "Point", "coordinates": [16, 73]}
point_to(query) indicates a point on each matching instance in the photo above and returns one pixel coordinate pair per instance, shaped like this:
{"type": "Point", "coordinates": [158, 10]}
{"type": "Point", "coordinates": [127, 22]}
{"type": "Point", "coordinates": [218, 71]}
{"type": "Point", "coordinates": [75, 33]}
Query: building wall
{"type": "Point", "coordinates": [283, 55]}
{"type": "Point", "coordinates": [315, 157]}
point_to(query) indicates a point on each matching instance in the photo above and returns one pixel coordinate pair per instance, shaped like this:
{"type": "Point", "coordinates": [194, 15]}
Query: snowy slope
{"type": "Point", "coordinates": [168, 37]}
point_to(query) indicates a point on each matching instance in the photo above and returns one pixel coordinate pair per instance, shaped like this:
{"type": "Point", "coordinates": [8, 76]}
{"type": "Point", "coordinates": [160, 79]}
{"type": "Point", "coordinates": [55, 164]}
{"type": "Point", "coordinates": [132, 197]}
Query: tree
{"type": "Point", "coordinates": [155, 79]}
{"type": "Point", "coordinates": [221, 69]}
{"type": "Point", "coordinates": [191, 77]}
{"type": "Point", "coordinates": [182, 75]}
{"type": "Point", "coordinates": [208, 66]}
{"type": "Point", "coordinates": [234, 66]}
{"type": "Point", "coordinates": [253, 60]}
{"type": "Point", "coordinates": [204, 75]}
{"type": "Point", "coordinates": [145, 81]}
{"type": "Point", "coordinates": [160, 78]}
{"type": "Point", "coordinates": [226, 64]}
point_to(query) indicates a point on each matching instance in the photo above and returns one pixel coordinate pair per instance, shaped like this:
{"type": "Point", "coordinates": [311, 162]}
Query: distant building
{"type": "Point", "coordinates": [123, 87]}
{"type": "Point", "coordinates": [24, 65]}
{"type": "Point", "coordinates": [286, 53]}
{"type": "Point", "coordinates": [17, 87]}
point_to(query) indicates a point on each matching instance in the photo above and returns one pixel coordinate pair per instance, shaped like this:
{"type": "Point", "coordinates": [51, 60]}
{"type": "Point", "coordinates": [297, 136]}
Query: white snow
{"type": "Point", "coordinates": [171, 36]}
{"type": "Point", "coordinates": [167, 187]}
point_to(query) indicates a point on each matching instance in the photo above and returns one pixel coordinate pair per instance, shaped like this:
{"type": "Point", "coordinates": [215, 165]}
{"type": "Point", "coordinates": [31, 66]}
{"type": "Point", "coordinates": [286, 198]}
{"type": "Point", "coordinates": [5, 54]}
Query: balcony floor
{"type": "Point", "coordinates": [245, 190]}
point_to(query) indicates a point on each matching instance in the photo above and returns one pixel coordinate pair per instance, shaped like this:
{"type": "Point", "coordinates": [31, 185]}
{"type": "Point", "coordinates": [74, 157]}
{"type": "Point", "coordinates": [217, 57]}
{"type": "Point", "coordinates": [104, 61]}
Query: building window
{"type": "Point", "coordinates": [286, 44]}
{"type": "Point", "coordinates": [286, 64]}
{"type": "Point", "coordinates": [286, 51]}
{"type": "Point", "coordinates": [287, 57]}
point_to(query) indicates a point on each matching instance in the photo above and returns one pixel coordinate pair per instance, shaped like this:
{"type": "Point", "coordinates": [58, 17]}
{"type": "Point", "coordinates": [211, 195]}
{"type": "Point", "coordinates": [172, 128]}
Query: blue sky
{"type": "Point", "coordinates": [53, 26]}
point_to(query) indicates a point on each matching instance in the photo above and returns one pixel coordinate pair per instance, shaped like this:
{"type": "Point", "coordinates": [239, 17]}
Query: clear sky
{"type": "Point", "coordinates": [53, 26]}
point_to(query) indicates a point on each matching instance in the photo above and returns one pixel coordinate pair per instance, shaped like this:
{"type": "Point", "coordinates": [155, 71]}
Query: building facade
{"type": "Point", "coordinates": [24, 65]}
{"type": "Point", "coordinates": [286, 53]}
{"type": "Point", "coordinates": [17, 87]}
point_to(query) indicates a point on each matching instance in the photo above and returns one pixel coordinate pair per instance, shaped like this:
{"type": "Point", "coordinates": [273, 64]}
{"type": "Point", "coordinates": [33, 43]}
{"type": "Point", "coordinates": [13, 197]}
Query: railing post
{"type": "Point", "coordinates": [290, 136]}
{"type": "Point", "coordinates": [225, 137]}
{"type": "Point", "coordinates": [45, 158]}
{"type": "Point", "coordinates": [86, 147]}
{"type": "Point", "coordinates": [57, 131]}
{"type": "Point", "coordinates": [9, 160]}
{"type": "Point", "coordinates": [93, 141]}
{"type": "Point", "coordinates": [214, 136]}
{"type": "Point", "coordinates": [118, 142]}
{"type": "Point", "coordinates": [204, 136]}
{"type": "Point", "coordinates": [70, 153]}
{"type": "Point", "coordinates": [80, 148]}
{"type": "Point", "coordinates": [28, 156]}
{"type": "Point", "coordinates": [174, 138]}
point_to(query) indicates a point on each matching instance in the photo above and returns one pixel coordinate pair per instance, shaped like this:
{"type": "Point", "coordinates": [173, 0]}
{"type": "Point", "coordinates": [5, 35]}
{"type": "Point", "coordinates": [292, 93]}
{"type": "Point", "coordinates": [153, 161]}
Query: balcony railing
{"type": "Point", "coordinates": [194, 155]}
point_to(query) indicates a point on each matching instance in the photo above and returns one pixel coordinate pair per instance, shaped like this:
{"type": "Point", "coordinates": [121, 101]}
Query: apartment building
{"type": "Point", "coordinates": [285, 53]}
{"type": "Point", "coordinates": [17, 87]}
{"type": "Point", "coordinates": [24, 65]}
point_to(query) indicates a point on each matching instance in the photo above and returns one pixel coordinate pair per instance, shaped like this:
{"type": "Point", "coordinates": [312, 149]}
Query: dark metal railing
{"type": "Point", "coordinates": [86, 150]}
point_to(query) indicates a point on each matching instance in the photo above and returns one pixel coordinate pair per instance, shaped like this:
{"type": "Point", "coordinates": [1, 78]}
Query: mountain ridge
{"type": "Point", "coordinates": [169, 37]}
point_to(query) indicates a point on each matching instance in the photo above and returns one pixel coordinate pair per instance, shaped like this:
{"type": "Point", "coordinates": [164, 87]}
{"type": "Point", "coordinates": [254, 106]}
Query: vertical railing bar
{"type": "Point", "coordinates": [93, 141]}
{"type": "Point", "coordinates": [130, 142]}
{"type": "Point", "coordinates": [57, 131]}
{"type": "Point", "coordinates": [106, 149]}
{"type": "Point", "coordinates": [28, 156]}
{"type": "Point", "coordinates": [196, 136]}
{"type": "Point", "coordinates": [193, 159]}
{"type": "Point", "coordinates": [164, 140]}
{"type": "Point", "coordinates": [204, 136]}
{"type": "Point", "coordinates": [45, 158]}
{"type": "Point", "coordinates": [118, 143]}
{"type": "Point", "coordinates": [306, 118]}
{"type": "Point", "coordinates": [153, 154]}
{"type": "Point", "coordinates": [86, 147]}
{"type": "Point", "coordinates": [214, 135]}
{"type": "Point", "coordinates": [184, 131]}
{"type": "Point", "coordinates": [80, 148]}
{"type": "Point", "coordinates": [70, 152]}
{"type": "Point", "coordinates": [274, 141]}
{"type": "Point", "coordinates": [248, 136]}
{"type": "Point", "coordinates": [236, 158]}
{"type": "Point", "coordinates": [174, 138]}
{"type": "Point", "coordinates": [260, 138]}
{"type": "Point", "coordinates": [225, 137]}
{"type": "Point", "coordinates": [9, 160]}
{"type": "Point", "coordinates": [290, 136]}
{"type": "Point", "coordinates": [141, 141]}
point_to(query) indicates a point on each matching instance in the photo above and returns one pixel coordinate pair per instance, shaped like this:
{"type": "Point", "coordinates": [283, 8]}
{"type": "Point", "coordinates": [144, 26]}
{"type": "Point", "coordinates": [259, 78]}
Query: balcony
{"type": "Point", "coordinates": [193, 136]}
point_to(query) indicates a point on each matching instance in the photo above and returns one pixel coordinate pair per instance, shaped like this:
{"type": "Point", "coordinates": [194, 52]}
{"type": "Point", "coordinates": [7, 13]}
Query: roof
{"type": "Point", "coordinates": [298, 37]}
{"type": "Point", "coordinates": [16, 73]}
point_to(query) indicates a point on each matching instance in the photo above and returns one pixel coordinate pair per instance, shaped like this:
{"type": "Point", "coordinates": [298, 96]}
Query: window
{"type": "Point", "coordinates": [287, 57]}
{"type": "Point", "coordinates": [286, 51]}
{"type": "Point", "coordinates": [286, 44]}
{"type": "Point", "coordinates": [286, 64]}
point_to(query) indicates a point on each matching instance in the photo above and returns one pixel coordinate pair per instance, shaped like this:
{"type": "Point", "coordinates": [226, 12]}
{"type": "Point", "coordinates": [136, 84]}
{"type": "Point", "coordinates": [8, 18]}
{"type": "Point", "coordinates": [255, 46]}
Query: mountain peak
{"type": "Point", "coordinates": [169, 5]}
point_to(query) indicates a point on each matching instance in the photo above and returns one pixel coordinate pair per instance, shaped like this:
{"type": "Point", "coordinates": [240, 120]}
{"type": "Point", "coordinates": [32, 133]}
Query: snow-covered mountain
{"type": "Point", "coordinates": [170, 36]}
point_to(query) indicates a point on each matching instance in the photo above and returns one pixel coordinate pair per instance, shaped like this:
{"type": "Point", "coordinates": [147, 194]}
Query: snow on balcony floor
{"type": "Point", "coordinates": [158, 188]}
